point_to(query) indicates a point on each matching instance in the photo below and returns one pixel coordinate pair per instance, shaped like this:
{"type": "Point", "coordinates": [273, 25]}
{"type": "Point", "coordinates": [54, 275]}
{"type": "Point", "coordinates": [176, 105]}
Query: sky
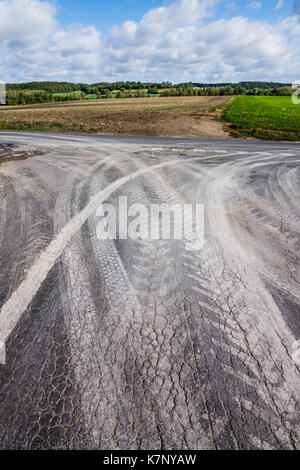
{"type": "Point", "coordinates": [208, 41]}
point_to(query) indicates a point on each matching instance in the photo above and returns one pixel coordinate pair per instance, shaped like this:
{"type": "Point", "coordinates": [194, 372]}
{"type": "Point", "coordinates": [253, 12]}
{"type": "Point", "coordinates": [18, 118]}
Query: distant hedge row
{"type": "Point", "coordinates": [15, 97]}
{"type": "Point", "coordinates": [42, 92]}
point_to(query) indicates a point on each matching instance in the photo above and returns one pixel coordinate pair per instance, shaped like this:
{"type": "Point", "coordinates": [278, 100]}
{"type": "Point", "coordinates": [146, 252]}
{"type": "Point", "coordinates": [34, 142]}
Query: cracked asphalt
{"type": "Point", "coordinates": [136, 344]}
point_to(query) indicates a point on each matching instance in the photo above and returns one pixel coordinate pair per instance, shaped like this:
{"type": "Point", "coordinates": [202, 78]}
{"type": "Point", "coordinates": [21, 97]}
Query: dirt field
{"type": "Point", "coordinates": [176, 117]}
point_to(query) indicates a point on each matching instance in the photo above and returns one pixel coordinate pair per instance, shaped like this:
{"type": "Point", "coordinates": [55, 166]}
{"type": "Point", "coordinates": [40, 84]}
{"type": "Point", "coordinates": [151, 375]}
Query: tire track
{"type": "Point", "coordinates": [142, 344]}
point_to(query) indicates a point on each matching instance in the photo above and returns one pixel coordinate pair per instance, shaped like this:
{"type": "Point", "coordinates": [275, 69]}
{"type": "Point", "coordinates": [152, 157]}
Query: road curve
{"type": "Point", "coordinates": [143, 344]}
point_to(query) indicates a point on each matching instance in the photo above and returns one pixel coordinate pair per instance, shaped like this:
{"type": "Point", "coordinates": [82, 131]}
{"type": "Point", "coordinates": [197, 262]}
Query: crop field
{"type": "Point", "coordinates": [264, 117]}
{"type": "Point", "coordinates": [67, 94]}
{"type": "Point", "coordinates": [174, 116]}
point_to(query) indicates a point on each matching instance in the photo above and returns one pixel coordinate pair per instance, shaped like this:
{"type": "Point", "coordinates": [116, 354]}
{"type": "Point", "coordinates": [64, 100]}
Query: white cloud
{"type": "Point", "coordinates": [291, 26]}
{"type": "Point", "coordinates": [254, 5]}
{"type": "Point", "coordinates": [215, 50]}
{"type": "Point", "coordinates": [181, 41]}
{"type": "Point", "coordinates": [35, 47]}
{"type": "Point", "coordinates": [71, 54]}
{"type": "Point", "coordinates": [179, 14]}
{"type": "Point", "coordinates": [279, 5]}
{"type": "Point", "coordinates": [26, 20]}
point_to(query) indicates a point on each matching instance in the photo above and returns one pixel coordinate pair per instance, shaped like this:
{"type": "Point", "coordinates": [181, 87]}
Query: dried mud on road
{"type": "Point", "coordinates": [141, 344]}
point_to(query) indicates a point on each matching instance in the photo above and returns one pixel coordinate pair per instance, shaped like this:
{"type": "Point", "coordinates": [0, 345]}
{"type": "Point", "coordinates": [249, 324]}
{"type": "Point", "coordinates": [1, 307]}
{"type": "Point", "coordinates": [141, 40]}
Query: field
{"type": "Point", "coordinates": [174, 116]}
{"type": "Point", "coordinates": [264, 117]}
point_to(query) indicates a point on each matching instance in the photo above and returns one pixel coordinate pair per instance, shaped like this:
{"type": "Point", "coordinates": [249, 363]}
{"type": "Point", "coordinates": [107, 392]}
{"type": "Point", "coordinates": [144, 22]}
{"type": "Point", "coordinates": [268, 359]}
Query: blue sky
{"type": "Point", "coordinates": [150, 40]}
{"type": "Point", "coordinates": [103, 14]}
{"type": "Point", "coordinates": [106, 13]}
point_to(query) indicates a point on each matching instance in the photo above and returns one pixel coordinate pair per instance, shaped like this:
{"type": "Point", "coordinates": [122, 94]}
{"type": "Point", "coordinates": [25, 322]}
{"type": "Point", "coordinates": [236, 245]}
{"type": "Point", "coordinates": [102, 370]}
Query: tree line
{"type": "Point", "coordinates": [188, 89]}
{"type": "Point", "coordinates": [42, 92]}
{"type": "Point", "coordinates": [16, 97]}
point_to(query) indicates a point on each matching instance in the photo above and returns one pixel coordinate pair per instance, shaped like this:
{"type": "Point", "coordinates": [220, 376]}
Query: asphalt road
{"type": "Point", "coordinates": [140, 344]}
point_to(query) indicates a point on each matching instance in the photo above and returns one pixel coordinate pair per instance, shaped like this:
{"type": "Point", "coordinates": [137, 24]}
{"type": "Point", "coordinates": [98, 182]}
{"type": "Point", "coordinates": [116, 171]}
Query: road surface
{"type": "Point", "coordinates": [143, 344]}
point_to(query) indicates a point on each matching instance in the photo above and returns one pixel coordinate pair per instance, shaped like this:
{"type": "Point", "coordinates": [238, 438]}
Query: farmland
{"type": "Point", "coordinates": [174, 116]}
{"type": "Point", "coordinates": [264, 117]}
